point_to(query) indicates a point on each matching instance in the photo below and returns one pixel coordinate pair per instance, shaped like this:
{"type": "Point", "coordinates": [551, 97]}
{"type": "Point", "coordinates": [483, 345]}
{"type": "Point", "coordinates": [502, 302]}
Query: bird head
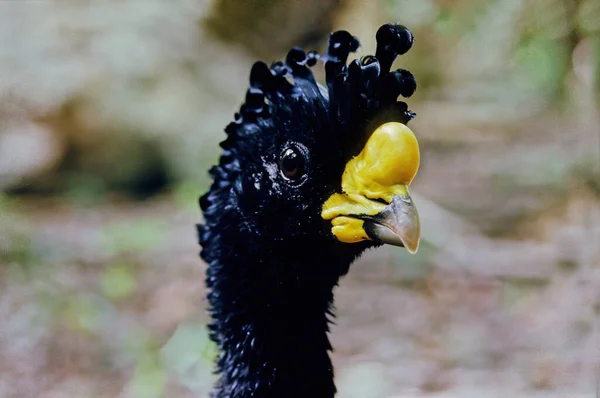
{"type": "Point", "coordinates": [331, 164]}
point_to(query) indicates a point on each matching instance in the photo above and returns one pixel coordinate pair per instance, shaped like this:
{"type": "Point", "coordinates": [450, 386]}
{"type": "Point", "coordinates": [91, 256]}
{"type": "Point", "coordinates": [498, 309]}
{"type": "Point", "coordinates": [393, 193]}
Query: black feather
{"type": "Point", "coordinates": [272, 261]}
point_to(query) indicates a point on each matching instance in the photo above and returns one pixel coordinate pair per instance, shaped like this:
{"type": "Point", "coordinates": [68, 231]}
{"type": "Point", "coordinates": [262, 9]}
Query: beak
{"type": "Point", "coordinates": [375, 203]}
{"type": "Point", "coordinates": [398, 224]}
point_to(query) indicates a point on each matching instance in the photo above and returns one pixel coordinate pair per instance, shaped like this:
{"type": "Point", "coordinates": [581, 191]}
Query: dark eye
{"type": "Point", "coordinates": [293, 163]}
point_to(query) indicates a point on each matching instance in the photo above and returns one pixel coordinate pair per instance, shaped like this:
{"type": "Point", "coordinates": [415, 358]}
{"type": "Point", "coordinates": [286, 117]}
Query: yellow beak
{"type": "Point", "coordinates": [375, 203]}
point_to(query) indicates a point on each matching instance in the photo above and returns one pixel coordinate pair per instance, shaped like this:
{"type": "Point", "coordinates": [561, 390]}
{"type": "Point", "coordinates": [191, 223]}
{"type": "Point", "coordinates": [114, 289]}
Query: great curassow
{"type": "Point", "coordinates": [308, 179]}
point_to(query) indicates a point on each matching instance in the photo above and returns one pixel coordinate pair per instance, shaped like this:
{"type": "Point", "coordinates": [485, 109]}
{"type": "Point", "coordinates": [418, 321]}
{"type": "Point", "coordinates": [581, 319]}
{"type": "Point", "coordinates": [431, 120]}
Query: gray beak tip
{"type": "Point", "coordinates": [398, 224]}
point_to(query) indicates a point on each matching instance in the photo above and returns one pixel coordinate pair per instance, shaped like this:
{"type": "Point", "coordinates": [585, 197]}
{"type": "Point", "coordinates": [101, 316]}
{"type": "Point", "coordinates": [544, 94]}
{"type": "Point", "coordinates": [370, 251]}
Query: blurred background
{"type": "Point", "coordinates": [110, 115]}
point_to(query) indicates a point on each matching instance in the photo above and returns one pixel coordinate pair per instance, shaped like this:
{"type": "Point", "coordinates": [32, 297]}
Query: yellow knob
{"type": "Point", "coordinates": [391, 155]}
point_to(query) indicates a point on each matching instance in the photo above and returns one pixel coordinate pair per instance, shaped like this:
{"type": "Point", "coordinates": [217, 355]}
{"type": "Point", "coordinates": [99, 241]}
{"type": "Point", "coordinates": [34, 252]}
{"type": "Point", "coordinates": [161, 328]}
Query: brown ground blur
{"type": "Point", "coordinates": [111, 111]}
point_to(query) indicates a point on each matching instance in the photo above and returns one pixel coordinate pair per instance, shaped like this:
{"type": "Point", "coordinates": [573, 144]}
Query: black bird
{"type": "Point", "coordinates": [308, 179]}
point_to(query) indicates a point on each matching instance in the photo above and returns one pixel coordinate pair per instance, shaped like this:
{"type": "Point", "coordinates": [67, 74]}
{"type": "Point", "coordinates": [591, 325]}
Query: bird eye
{"type": "Point", "coordinates": [293, 163]}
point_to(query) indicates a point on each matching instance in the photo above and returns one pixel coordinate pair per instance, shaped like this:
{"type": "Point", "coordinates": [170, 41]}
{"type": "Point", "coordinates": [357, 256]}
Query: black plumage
{"type": "Point", "coordinates": [272, 259]}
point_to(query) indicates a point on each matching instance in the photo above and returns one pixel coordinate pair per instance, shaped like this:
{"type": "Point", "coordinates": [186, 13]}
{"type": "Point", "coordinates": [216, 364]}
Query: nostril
{"type": "Point", "coordinates": [379, 200]}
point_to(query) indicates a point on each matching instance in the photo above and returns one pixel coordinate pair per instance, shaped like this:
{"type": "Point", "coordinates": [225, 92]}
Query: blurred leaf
{"type": "Point", "coordinates": [418, 12]}
{"type": "Point", "coordinates": [589, 17]}
{"type": "Point", "coordinates": [515, 292]}
{"type": "Point", "coordinates": [82, 314]}
{"type": "Point", "coordinates": [86, 189]}
{"type": "Point", "coordinates": [138, 236]}
{"type": "Point", "coordinates": [596, 55]}
{"type": "Point", "coordinates": [190, 354]}
{"type": "Point", "coordinates": [140, 344]}
{"type": "Point", "coordinates": [588, 169]}
{"type": "Point", "coordinates": [7, 203]}
{"type": "Point", "coordinates": [187, 194]}
{"type": "Point", "coordinates": [149, 379]}
{"type": "Point", "coordinates": [447, 24]}
{"type": "Point", "coordinates": [21, 254]}
{"type": "Point", "coordinates": [186, 347]}
{"type": "Point", "coordinates": [414, 266]}
{"type": "Point", "coordinates": [543, 62]}
{"type": "Point", "coordinates": [118, 282]}
{"type": "Point", "coordinates": [462, 19]}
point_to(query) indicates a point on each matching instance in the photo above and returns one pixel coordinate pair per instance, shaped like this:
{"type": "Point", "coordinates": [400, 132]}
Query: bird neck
{"type": "Point", "coordinates": [270, 321]}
